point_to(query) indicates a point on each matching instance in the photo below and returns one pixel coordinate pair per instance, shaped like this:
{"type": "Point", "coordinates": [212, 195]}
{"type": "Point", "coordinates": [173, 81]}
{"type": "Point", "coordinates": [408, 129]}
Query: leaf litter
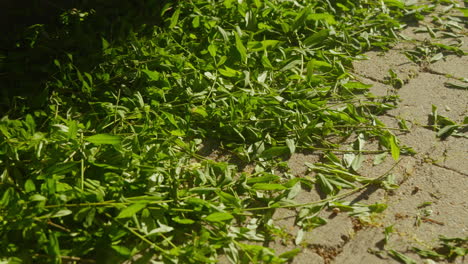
{"type": "Point", "coordinates": [116, 168]}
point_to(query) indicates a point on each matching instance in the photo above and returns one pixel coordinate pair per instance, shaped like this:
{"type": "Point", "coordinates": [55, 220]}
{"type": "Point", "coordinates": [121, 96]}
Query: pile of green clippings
{"type": "Point", "coordinates": [108, 167]}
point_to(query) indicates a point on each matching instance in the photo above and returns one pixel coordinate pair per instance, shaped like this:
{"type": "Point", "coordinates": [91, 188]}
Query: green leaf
{"type": "Point", "coordinates": [255, 46]}
{"type": "Point", "coordinates": [290, 65]}
{"type": "Point", "coordinates": [379, 158]}
{"type": "Point", "coordinates": [357, 86]}
{"type": "Point", "coordinates": [228, 198]}
{"type": "Point", "coordinates": [290, 254]}
{"type": "Point", "coordinates": [447, 131]}
{"type": "Point", "coordinates": [266, 62]}
{"type": "Point", "coordinates": [212, 49]}
{"type": "Point", "coordinates": [121, 250]}
{"type": "Point", "coordinates": [427, 253]}
{"type": "Point", "coordinates": [291, 145]}
{"type": "Point", "coordinates": [60, 213]}
{"type": "Point", "coordinates": [72, 129]}
{"type": "Point", "coordinates": [196, 22]}
{"type": "Point", "coordinates": [343, 7]}
{"type": "Point", "coordinates": [219, 217]}
{"type": "Point", "coordinates": [184, 221]}
{"type": "Point", "coordinates": [200, 111]}
{"type": "Point", "coordinates": [266, 177]}
{"type": "Point", "coordinates": [240, 48]}
{"type": "Point", "coordinates": [464, 11]}
{"type": "Point", "coordinates": [268, 187]}
{"type": "Point", "coordinates": [327, 187]}
{"type": "Point", "coordinates": [394, 148]}
{"type": "Point", "coordinates": [395, 3]}
{"type": "Point", "coordinates": [275, 152]}
{"type": "Point", "coordinates": [343, 206]}
{"type": "Point", "coordinates": [161, 229]}
{"type": "Point", "coordinates": [453, 239]}
{"type": "Point", "coordinates": [456, 86]}
{"type": "Point", "coordinates": [131, 210]}
{"type": "Point", "coordinates": [270, 43]}
{"type": "Point", "coordinates": [322, 16]}
{"type": "Point", "coordinates": [310, 71]}
{"type": "Point", "coordinates": [174, 18]}
{"type": "Point", "coordinates": [37, 198]}
{"type": "Point", "coordinates": [62, 168]}
{"type": "Point", "coordinates": [29, 186]}
{"type": "Point", "coordinates": [91, 213]}
{"type": "Point", "coordinates": [400, 257]}
{"type": "Point", "coordinates": [224, 34]}
{"type": "Point", "coordinates": [228, 72]}
{"type": "Point", "coordinates": [320, 65]}
{"type": "Point", "coordinates": [387, 231]}
{"type": "Point", "coordinates": [460, 251]}
{"type": "Point", "coordinates": [105, 46]}
{"type": "Point", "coordinates": [177, 133]}
{"type": "Point", "coordinates": [437, 57]}
{"type": "Point", "coordinates": [377, 208]}
{"type": "Point", "coordinates": [301, 17]}
{"type": "Point", "coordinates": [53, 246]}
{"type": "Point", "coordinates": [104, 139]}
{"type": "Point", "coordinates": [299, 236]}
{"type": "Point", "coordinates": [454, 49]}
{"type": "Point", "coordinates": [317, 38]}
{"type": "Point", "coordinates": [262, 45]}
{"type": "Point", "coordinates": [357, 161]}
{"type": "Point", "coordinates": [152, 75]}
{"type": "Point", "coordinates": [316, 221]}
{"type": "Point", "coordinates": [90, 78]}
{"type": "Point", "coordinates": [30, 122]}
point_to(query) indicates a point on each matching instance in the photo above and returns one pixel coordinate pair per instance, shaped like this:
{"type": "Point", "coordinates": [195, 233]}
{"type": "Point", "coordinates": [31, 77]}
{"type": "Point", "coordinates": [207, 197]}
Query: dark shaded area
{"type": "Point", "coordinates": [365, 194]}
{"type": "Point", "coordinates": [35, 33]}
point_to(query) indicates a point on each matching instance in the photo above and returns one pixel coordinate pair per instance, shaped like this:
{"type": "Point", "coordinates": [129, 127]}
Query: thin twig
{"type": "Point", "coordinates": [58, 226]}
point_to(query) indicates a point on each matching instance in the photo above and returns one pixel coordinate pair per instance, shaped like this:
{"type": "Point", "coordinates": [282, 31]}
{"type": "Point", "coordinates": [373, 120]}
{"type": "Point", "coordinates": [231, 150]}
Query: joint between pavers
{"type": "Point", "coordinates": [450, 169]}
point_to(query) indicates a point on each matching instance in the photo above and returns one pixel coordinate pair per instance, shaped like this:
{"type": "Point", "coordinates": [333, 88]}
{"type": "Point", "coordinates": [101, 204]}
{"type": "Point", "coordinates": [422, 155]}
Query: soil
{"type": "Point", "coordinates": [431, 199]}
